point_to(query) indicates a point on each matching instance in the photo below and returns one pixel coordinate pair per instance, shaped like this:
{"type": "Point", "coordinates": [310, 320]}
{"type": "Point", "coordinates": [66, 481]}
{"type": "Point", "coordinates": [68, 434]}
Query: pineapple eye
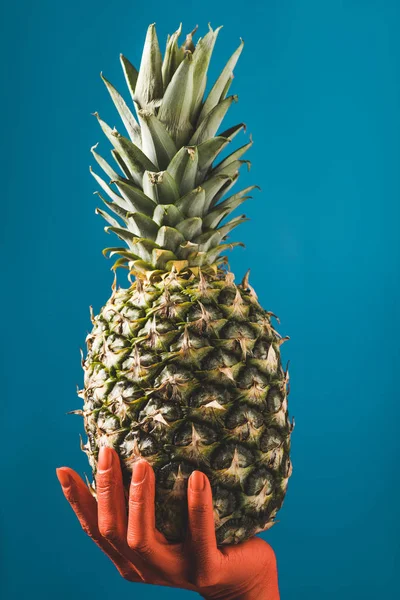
{"type": "Point", "coordinates": [270, 440]}
{"type": "Point", "coordinates": [224, 456]}
{"type": "Point", "coordinates": [274, 400]}
{"type": "Point", "coordinates": [259, 479]}
{"type": "Point", "coordinates": [244, 414]}
{"type": "Point", "coordinates": [235, 330]}
{"type": "Point", "coordinates": [227, 296]}
{"type": "Point", "coordinates": [195, 433]}
{"type": "Point", "coordinates": [250, 376]}
{"type": "Point", "coordinates": [174, 472]}
{"type": "Point", "coordinates": [225, 501]}
{"type": "Point", "coordinates": [136, 444]}
{"type": "Point", "coordinates": [207, 393]}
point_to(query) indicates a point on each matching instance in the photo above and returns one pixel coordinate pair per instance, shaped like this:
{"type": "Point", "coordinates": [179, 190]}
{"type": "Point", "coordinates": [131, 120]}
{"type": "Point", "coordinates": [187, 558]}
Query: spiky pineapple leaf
{"type": "Point", "coordinates": [120, 162]}
{"type": "Point", "coordinates": [144, 248]}
{"type": "Point", "coordinates": [160, 257]}
{"type": "Point", "coordinates": [129, 121]}
{"type": "Point", "coordinates": [109, 191]}
{"type": "Point", "coordinates": [183, 168]}
{"type": "Point", "coordinates": [211, 187]}
{"type": "Point", "coordinates": [232, 132]}
{"type": "Point", "coordinates": [230, 182]}
{"type": "Point", "coordinates": [192, 203]}
{"type": "Point", "coordinates": [167, 214]}
{"type": "Point", "coordinates": [149, 86]}
{"type": "Point", "coordinates": [212, 220]}
{"type": "Point", "coordinates": [222, 210]}
{"type": "Point", "coordinates": [172, 58]}
{"type": "Point", "coordinates": [104, 164]}
{"type": "Point", "coordinates": [160, 186]}
{"type": "Point", "coordinates": [157, 143]}
{"type": "Point", "coordinates": [143, 226]}
{"type": "Point", "coordinates": [210, 124]}
{"type": "Point", "coordinates": [136, 161]}
{"type": "Point", "coordinates": [169, 238]}
{"type": "Point", "coordinates": [190, 228]}
{"type": "Point", "coordinates": [231, 168]}
{"type": "Point", "coordinates": [175, 111]}
{"type": "Point", "coordinates": [131, 74]}
{"type": "Point", "coordinates": [237, 198]}
{"type": "Point", "coordinates": [116, 208]}
{"type": "Point", "coordinates": [225, 229]}
{"type": "Point", "coordinates": [112, 251]}
{"type": "Point", "coordinates": [212, 254]}
{"type": "Point", "coordinates": [107, 217]}
{"type": "Point", "coordinates": [207, 240]}
{"type": "Point", "coordinates": [123, 234]}
{"type": "Point", "coordinates": [135, 197]}
{"type": "Point", "coordinates": [220, 86]}
{"type": "Point", "coordinates": [208, 151]}
{"type": "Point", "coordinates": [231, 158]}
{"type": "Point", "coordinates": [201, 60]}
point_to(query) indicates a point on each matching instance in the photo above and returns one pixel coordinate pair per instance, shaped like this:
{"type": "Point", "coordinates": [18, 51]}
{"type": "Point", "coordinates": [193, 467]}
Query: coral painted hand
{"type": "Point", "coordinates": [246, 571]}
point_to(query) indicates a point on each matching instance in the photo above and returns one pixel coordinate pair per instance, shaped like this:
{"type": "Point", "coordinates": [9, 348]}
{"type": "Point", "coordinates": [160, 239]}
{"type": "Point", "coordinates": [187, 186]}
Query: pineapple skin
{"type": "Point", "coordinates": [185, 372]}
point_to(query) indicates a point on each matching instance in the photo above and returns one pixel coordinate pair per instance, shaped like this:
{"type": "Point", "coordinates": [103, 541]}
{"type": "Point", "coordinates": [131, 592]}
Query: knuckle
{"type": "Point", "coordinates": [139, 545]}
{"type": "Point", "coordinates": [271, 557]}
{"type": "Point", "coordinates": [136, 504]}
{"type": "Point", "coordinates": [108, 532]}
{"type": "Point", "coordinates": [104, 486]}
{"type": "Point", "coordinates": [199, 509]}
{"type": "Point", "coordinates": [206, 571]}
{"type": "Point", "coordinates": [205, 579]}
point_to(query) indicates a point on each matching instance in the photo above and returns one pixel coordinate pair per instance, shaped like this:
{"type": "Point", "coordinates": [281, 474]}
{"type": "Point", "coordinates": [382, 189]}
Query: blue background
{"type": "Point", "coordinates": [319, 88]}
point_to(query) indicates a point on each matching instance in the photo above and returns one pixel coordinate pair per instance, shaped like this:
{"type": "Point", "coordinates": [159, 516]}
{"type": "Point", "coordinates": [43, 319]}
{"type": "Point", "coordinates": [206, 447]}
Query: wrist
{"type": "Point", "coordinates": [264, 589]}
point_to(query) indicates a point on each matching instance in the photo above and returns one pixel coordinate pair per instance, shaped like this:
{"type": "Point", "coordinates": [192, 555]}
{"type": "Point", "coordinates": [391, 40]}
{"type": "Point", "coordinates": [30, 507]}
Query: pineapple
{"type": "Point", "coordinates": [183, 367]}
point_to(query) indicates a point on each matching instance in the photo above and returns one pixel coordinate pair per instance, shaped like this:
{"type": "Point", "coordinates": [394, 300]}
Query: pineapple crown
{"type": "Point", "coordinates": [169, 195]}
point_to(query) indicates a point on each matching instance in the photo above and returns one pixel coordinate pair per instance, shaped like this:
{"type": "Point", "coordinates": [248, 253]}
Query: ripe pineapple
{"type": "Point", "coordinates": [183, 368]}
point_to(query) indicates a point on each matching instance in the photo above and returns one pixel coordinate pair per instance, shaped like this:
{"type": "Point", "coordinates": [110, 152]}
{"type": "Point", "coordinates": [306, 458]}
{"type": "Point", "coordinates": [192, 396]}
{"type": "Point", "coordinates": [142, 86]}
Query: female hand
{"type": "Point", "coordinates": [141, 553]}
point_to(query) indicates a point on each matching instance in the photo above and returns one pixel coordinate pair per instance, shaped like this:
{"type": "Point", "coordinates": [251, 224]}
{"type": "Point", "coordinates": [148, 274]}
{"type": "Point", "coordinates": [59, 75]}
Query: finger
{"type": "Point", "coordinates": [112, 518]}
{"type": "Point", "coordinates": [141, 521]}
{"type": "Point", "coordinates": [203, 543]}
{"type": "Point", "coordinates": [85, 508]}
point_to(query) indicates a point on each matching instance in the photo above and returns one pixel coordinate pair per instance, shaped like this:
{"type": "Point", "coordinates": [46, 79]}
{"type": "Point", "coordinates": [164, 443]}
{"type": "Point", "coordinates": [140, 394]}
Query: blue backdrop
{"type": "Point", "coordinates": [319, 88]}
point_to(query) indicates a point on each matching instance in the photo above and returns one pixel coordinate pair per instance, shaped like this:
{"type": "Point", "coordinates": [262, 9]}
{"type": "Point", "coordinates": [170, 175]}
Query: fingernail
{"type": "Point", "coordinates": [64, 478]}
{"type": "Point", "coordinates": [105, 458]}
{"type": "Point", "coordinates": [139, 472]}
{"type": "Point", "coordinates": [197, 481]}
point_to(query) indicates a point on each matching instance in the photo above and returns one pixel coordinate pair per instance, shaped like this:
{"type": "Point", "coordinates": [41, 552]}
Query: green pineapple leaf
{"type": "Point", "coordinates": [149, 86]}
{"type": "Point", "coordinates": [169, 238]}
{"type": "Point", "coordinates": [142, 226]}
{"type": "Point", "coordinates": [172, 58]}
{"type": "Point", "coordinates": [183, 168]}
{"type": "Point", "coordinates": [219, 89]}
{"type": "Point", "coordinates": [131, 125]}
{"type": "Point", "coordinates": [160, 187]}
{"type": "Point", "coordinates": [192, 204]}
{"type": "Point", "coordinates": [175, 111]}
{"type": "Point", "coordinates": [190, 228]}
{"type": "Point", "coordinates": [210, 124]}
{"type": "Point", "coordinates": [104, 164]}
{"type": "Point", "coordinates": [131, 75]}
{"type": "Point", "coordinates": [157, 144]}
{"type": "Point", "coordinates": [135, 197]}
